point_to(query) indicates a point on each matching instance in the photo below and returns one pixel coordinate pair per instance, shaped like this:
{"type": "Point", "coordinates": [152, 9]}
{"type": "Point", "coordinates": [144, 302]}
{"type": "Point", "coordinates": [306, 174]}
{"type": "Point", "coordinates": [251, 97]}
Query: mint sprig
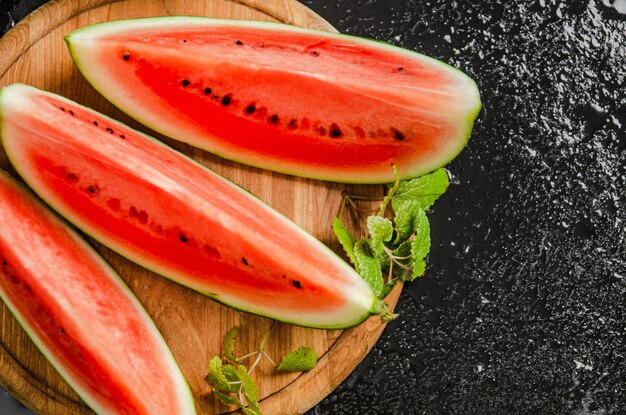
{"type": "Point", "coordinates": [231, 380]}
{"type": "Point", "coordinates": [395, 250]}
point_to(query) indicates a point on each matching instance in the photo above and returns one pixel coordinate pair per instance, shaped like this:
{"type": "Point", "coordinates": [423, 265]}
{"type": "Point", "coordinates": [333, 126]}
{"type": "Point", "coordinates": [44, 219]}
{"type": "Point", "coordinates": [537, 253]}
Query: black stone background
{"type": "Point", "coordinates": [523, 307]}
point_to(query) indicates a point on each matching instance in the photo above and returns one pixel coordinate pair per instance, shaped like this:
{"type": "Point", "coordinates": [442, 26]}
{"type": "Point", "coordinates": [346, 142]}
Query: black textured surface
{"type": "Point", "coordinates": [523, 307]}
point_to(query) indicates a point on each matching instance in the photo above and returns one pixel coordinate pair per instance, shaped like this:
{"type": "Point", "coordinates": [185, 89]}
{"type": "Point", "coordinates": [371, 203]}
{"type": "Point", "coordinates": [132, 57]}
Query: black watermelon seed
{"type": "Point", "coordinates": [239, 42]}
{"type": "Point", "coordinates": [207, 91]}
{"type": "Point", "coordinates": [321, 131]}
{"type": "Point", "coordinates": [397, 134]}
{"type": "Point", "coordinates": [273, 119]}
{"type": "Point", "coordinates": [250, 109]}
{"type": "Point", "coordinates": [122, 136]}
{"type": "Point", "coordinates": [226, 101]}
{"type": "Point", "coordinates": [4, 263]}
{"type": "Point", "coordinates": [184, 40]}
{"type": "Point", "coordinates": [62, 109]}
{"type": "Point", "coordinates": [72, 177]}
{"type": "Point", "coordinates": [292, 124]}
{"type": "Point", "coordinates": [110, 130]}
{"type": "Point", "coordinates": [126, 56]}
{"type": "Point", "coordinates": [183, 238]}
{"type": "Point", "coordinates": [400, 69]}
{"type": "Point", "coordinates": [185, 82]}
{"type": "Point", "coordinates": [95, 123]}
{"type": "Point", "coordinates": [94, 189]}
{"type": "Point", "coordinates": [335, 132]}
{"type": "Point", "coordinates": [71, 113]}
{"type": "Point", "coordinates": [62, 330]}
{"type": "Point", "coordinates": [315, 53]}
{"type": "Point", "coordinates": [245, 261]}
{"type": "Point", "coordinates": [296, 284]}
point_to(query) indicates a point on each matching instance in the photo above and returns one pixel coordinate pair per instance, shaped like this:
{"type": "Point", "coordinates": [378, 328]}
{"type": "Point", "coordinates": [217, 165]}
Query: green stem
{"type": "Point", "coordinates": [386, 315]}
{"type": "Point", "coordinates": [248, 355]}
{"type": "Point", "coordinates": [256, 362]}
{"type": "Point", "coordinates": [347, 200]}
{"type": "Point", "coordinates": [370, 198]}
{"type": "Point", "coordinates": [394, 258]}
{"type": "Point", "coordinates": [269, 358]}
{"type": "Point", "coordinates": [390, 193]}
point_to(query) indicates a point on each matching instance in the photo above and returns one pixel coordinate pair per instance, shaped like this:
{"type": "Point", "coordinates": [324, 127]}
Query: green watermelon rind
{"type": "Point", "coordinates": [451, 153]}
{"type": "Point", "coordinates": [116, 279]}
{"type": "Point", "coordinates": [372, 310]}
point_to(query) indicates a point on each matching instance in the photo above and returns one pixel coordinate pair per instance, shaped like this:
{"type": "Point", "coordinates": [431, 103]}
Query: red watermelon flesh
{"type": "Point", "coordinates": [298, 101]}
{"type": "Point", "coordinates": [80, 314]}
{"type": "Point", "coordinates": [175, 217]}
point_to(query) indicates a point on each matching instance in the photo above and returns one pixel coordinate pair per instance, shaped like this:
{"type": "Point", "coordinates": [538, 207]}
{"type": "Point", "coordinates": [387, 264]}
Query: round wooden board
{"type": "Point", "coordinates": [34, 53]}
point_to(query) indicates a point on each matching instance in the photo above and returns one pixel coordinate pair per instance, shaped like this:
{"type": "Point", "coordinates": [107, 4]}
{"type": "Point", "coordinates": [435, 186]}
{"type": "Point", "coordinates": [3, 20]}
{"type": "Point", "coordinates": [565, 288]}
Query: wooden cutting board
{"type": "Point", "coordinates": [34, 53]}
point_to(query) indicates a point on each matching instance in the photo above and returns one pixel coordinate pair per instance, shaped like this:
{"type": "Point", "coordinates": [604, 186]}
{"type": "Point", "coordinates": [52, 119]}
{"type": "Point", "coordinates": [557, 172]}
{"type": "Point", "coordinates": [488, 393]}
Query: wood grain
{"type": "Point", "coordinates": [34, 53]}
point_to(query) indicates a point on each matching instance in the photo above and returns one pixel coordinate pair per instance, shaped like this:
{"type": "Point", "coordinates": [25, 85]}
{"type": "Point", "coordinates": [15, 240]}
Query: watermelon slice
{"type": "Point", "coordinates": [81, 316]}
{"type": "Point", "coordinates": [169, 214]}
{"type": "Point", "coordinates": [297, 101]}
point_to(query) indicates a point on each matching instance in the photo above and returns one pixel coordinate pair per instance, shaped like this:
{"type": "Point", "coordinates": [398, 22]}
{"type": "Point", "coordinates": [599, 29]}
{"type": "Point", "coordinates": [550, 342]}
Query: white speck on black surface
{"type": "Point", "coordinates": [523, 308]}
{"type": "Point", "coordinates": [12, 11]}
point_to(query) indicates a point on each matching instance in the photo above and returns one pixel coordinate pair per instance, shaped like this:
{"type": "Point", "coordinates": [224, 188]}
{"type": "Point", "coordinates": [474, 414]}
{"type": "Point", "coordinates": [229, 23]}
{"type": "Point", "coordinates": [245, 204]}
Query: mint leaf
{"type": "Point", "coordinates": [413, 195]}
{"type": "Point", "coordinates": [229, 344]}
{"type": "Point", "coordinates": [231, 375]}
{"type": "Point", "coordinates": [403, 250]}
{"type": "Point", "coordinates": [345, 238]}
{"type": "Point", "coordinates": [225, 398]}
{"type": "Point", "coordinates": [420, 246]}
{"type": "Point", "coordinates": [368, 266]}
{"type": "Point", "coordinates": [304, 358]}
{"type": "Point", "coordinates": [381, 230]}
{"type": "Point", "coordinates": [217, 376]}
{"type": "Point", "coordinates": [249, 388]}
{"type": "Point", "coordinates": [425, 189]}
